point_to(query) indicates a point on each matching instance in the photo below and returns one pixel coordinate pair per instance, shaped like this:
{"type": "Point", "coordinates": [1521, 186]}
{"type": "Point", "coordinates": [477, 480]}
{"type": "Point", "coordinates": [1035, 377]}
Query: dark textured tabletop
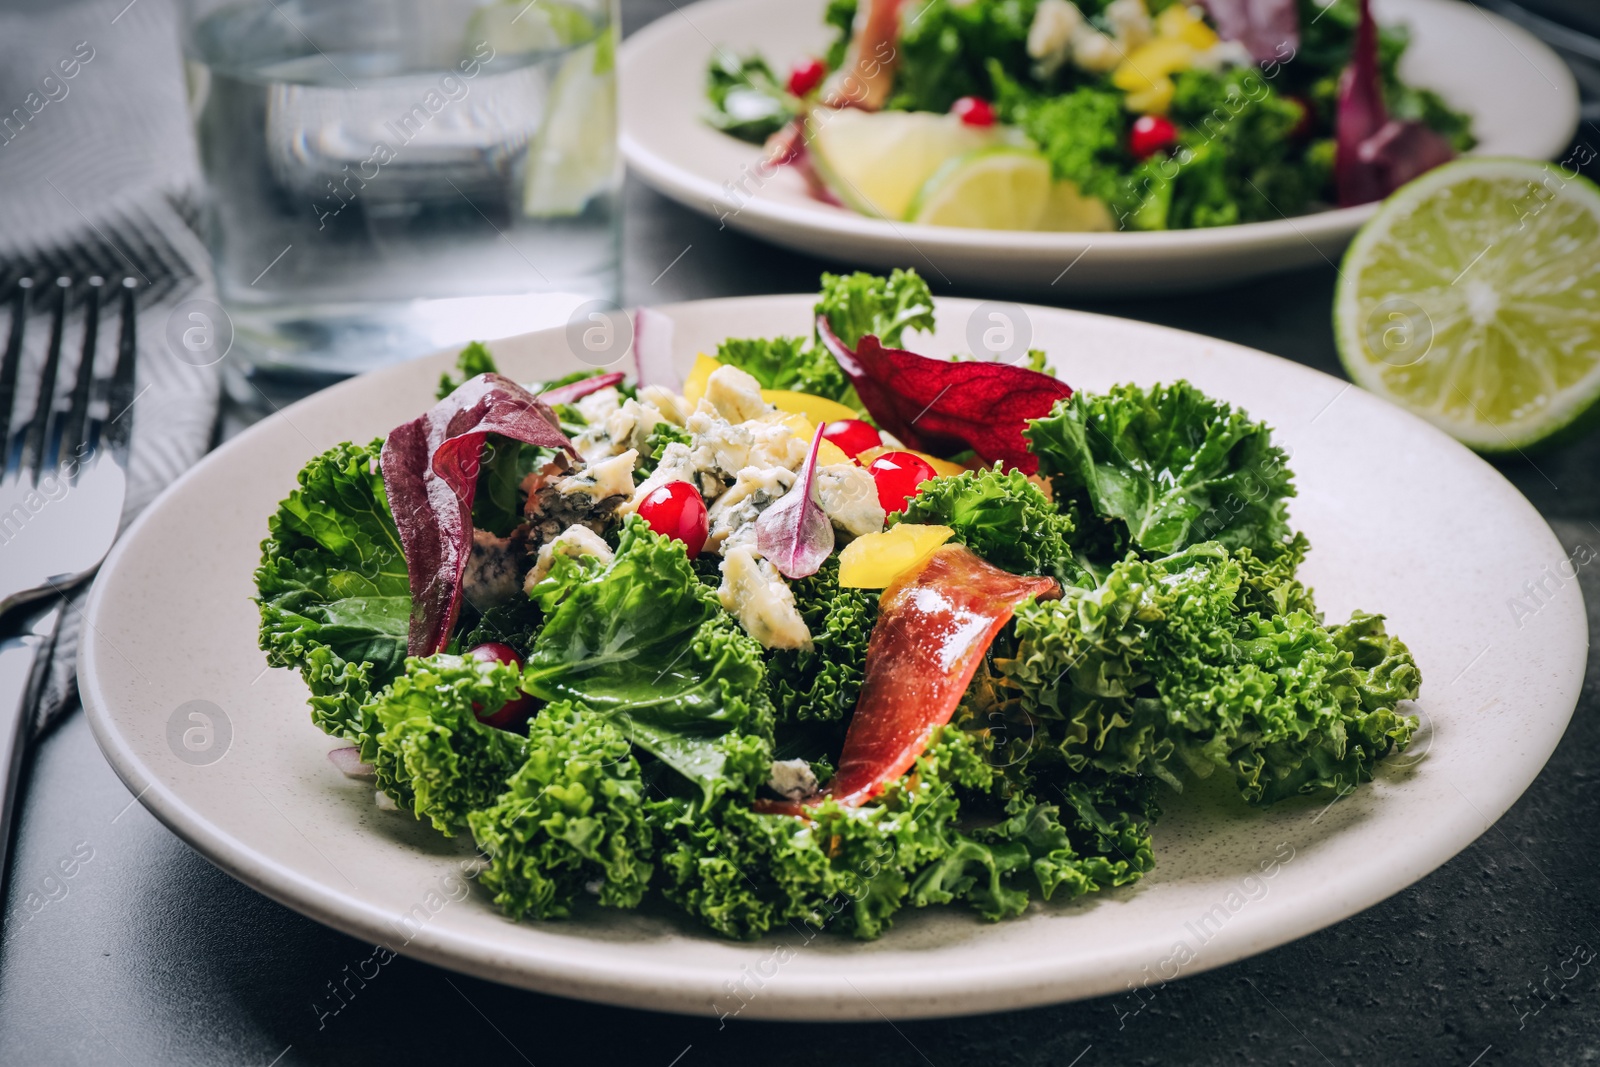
{"type": "Point", "coordinates": [147, 954]}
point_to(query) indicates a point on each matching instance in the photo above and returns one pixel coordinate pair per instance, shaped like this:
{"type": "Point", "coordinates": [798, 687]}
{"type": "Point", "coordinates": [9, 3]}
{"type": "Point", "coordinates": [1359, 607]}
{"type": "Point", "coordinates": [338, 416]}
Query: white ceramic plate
{"type": "Point", "coordinates": [1522, 98]}
{"type": "Point", "coordinates": [1403, 521]}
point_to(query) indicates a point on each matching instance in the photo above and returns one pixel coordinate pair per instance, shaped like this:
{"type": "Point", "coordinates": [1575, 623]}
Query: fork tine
{"type": "Point", "coordinates": [78, 405]}
{"type": "Point", "coordinates": [8, 368]}
{"type": "Point", "coordinates": [119, 426]}
{"type": "Point", "coordinates": [34, 441]}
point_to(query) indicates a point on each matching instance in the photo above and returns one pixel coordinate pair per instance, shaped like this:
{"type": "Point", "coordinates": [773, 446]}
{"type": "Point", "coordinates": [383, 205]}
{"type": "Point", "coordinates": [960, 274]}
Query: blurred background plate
{"type": "Point", "coordinates": [1523, 100]}
{"type": "Point", "coordinates": [1403, 520]}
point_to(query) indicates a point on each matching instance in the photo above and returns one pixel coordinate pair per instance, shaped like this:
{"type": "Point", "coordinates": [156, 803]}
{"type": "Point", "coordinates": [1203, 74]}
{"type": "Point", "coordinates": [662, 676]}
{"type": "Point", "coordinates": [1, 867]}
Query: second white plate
{"type": "Point", "coordinates": [1522, 98]}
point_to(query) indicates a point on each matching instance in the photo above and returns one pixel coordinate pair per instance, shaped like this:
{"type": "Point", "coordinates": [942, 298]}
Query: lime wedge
{"type": "Point", "coordinates": [1000, 188]}
{"type": "Point", "coordinates": [574, 157]}
{"type": "Point", "coordinates": [1070, 211]}
{"type": "Point", "coordinates": [515, 27]}
{"type": "Point", "coordinates": [1471, 299]}
{"type": "Point", "coordinates": [875, 161]}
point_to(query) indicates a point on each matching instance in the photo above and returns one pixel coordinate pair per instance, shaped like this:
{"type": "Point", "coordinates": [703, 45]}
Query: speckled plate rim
{"type": "Point", "coordinates": [1341, 858]}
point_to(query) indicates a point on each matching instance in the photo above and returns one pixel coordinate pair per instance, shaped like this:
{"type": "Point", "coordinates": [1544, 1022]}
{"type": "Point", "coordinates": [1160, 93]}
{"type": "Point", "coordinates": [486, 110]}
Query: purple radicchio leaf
{"type": "Point", "coordinates": [795, 533]}
{"type": "Point", "coordinates": [1375, 154]}
{"type": "Point", "coordinates": [1268, 29]}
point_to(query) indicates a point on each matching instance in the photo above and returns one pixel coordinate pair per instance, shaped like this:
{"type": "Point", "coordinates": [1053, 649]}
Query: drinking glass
{"type": "Point", "coordinates": [387, 177]}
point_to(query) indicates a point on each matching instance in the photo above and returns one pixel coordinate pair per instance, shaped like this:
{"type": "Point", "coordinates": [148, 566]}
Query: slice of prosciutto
{"type": "Point", "coordinates": [934, 626]}
{"type": "Point", "coordinates": [866, 76]}
{"type": "Point", "coordinates": [430, 475]}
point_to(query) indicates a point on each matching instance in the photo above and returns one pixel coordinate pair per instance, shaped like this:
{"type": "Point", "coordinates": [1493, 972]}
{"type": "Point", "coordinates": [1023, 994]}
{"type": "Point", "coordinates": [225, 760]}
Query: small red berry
{"type": "Point", "coordinates": [510, 714]}
{"type": "Point", "coordinates": [677, 510]}
{"type": "Point", "coordinates": [852, 436]}
{"type": "Point", "coordinates": [1150, 134]}
{"type": "Point", "coordinates": [806, 75]}
{"type": "Point", "coordinates": [898, 476]}
{"type": "Point", "coordinates": [974, 111]}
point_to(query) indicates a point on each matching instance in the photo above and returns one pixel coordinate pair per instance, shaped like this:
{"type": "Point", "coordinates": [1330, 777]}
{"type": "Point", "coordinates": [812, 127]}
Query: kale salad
{"type": "Point", "coordinates": [1092, 115]}
{"type": "Point", "coordinates": [828, 630]}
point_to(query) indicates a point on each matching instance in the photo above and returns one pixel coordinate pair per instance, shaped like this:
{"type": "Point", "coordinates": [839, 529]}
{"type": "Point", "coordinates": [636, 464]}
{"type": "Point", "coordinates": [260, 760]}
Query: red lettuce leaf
{"type": "Point", "coordinates": [934, 626]}
{"type": "Point", "coordinates": [575, 391]}
{"type": "Point", "coordinates": [1375, 154]}
{"type": "Point", "coordinates": [430, 474]}
{"type": "Point", "coordinates": [795, 533]}
{"type": "Point", "coordinates": [1269, 29]}
{"type": "Point", "coordinates": [937, 406]}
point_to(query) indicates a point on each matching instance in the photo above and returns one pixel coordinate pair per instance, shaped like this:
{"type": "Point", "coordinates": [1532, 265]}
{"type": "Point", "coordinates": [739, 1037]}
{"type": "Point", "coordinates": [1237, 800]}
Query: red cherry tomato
{"type": "Point", "coordinates": [512, 713]}
{"type": "Point", "coordinates": [898, 475]}
{"type": "Point", "coordinates": [852, 436]}
{"type": "Point", "coordinates": [677, 510]}
{"type": "Point", "coordinates": [806, 75]}
{"type": "Point", "coordinates": [974, 111]}
{"type": "Point", "coordinates": [1150, 134]}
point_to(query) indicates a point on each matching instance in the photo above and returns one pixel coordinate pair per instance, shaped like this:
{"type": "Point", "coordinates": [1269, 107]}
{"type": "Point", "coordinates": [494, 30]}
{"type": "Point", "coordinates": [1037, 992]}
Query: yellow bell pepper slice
{"type": "Point", "coordinates": [694, 387]}
{"type": "Point", "coordinates": [818, 409]}
{"type": "Point", "coordinates": [875, 560]}
{"type": "Point", "coordinates": [1152, 101]}
{"type": "Point", "coordinates": [1180, 23]}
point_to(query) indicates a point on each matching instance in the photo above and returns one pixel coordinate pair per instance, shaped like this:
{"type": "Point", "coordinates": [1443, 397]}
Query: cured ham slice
{"type": "Point", "coordinates": [934, 626]}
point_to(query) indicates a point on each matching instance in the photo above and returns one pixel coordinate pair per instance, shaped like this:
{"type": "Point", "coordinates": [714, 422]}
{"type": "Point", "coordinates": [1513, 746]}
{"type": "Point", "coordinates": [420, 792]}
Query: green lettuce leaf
{"type": "Point", "coordinates": [646, 646]}
{"type": "Point", "coordinates": [473, 361]}
{"type": "Point", "coordinates": [332, 589]}
{"type": "Point", "coordinates": [572, 815]}
{"type": "Point", "coordinates": [788, 363]}
{"type": "Point", "coordinates": [1169, 467]}
{"type": "Point", "coordinates": [434, 758]}
{"type": "Point", "coordinates": [860, 303]}
{"type": "Point", "coordinates": [746, 98]}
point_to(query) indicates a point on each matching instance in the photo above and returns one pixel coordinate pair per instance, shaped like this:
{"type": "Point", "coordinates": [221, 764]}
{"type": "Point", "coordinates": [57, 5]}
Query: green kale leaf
{"type": "Point", "coordinates": [434, 758]}
{"type": "Point", "coordinates": [572, 815]}
{"type": "Point", "coordinates": [822, 683]}
{"type": "Point", "coordinates": [1082, 133]}
{"type": "Point", "coordinates": [332, 588]}
{"type": "Point", "coordinates": [1169, 465]}
{"type": "Point", "coordinates": [647, 647]}
{"type": "Point", "coordinates": [1004, 518]}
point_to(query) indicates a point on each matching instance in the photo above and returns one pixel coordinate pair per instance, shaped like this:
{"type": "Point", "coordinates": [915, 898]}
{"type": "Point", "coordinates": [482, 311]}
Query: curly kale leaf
{"type": "Point", "coordinates": [473, 361]}
{"type": "Point", "coordinates": [434, 758]}
{"type": "Point", "coordinates": [1154, 673]}
{"type": "Point", "coordinates": [332, 588]}
{"type": "Point", "coordinates": [1171, 465]}
{"type": "Point", "coordinates": [746, 98]}
{"type": "Point", "coordinates": [845, 869]}
{"type": "Point", "coordinates": [1269, 586]}
{"type": "Point", "coordinates": [823, 682]}
{"type": "Point", "coordinates": [648, 647]}
{"type": "Point", "coordinates": [840, 16]}
{"type": "Point", "coordinates": [1003, 517]}
{"type": "Point", "coordinates": [946, 48]}
{"type": "Point", "coordinates": [861, 303]}
{"type": "Point", "coordinates": [572, 815]}
{"type": "Point", "coordinates": [1083, 133]}
{"type": "Point", "coordinates": [788, 363]}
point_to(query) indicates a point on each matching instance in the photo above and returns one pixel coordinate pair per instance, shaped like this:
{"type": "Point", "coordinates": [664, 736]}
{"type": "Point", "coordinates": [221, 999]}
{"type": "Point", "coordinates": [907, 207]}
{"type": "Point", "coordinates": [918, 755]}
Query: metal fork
{"type": "Point", "coordinates": [63, 479]}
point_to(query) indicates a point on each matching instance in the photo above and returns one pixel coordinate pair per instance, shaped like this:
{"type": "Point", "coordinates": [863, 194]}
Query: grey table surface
{"type": "Point", "coordinates": [147, 954]}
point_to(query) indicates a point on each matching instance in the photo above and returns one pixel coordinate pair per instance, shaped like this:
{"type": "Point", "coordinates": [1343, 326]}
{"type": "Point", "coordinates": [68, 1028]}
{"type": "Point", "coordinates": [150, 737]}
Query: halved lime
{"type": "Point", "coordinates": [1472, 298]}
{"type": "Point", "coordinates": [1069, 211]}
{"type": "Point", "coordinates": [875, 161]}
{"type": "Point", "coordinates": [999, 188]}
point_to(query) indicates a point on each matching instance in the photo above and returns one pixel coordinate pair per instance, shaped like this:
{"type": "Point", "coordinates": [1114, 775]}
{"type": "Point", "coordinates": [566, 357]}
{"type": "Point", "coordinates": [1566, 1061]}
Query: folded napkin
{"type": "Point", "coordinates": [99, 174]}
